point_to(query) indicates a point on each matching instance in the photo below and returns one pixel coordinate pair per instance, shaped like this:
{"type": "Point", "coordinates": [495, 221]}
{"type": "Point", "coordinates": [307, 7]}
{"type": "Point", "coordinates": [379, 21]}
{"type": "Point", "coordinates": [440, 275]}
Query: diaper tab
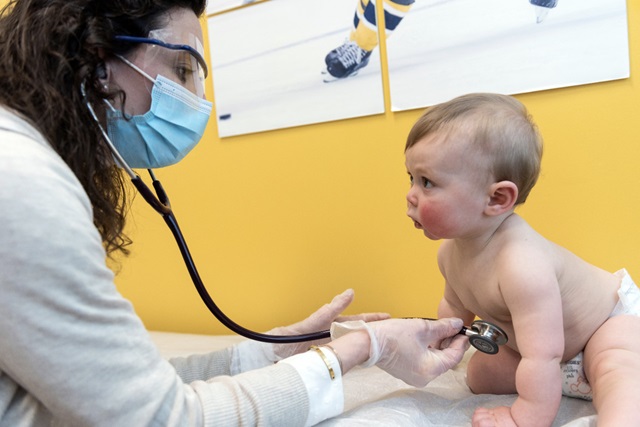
{"type": "Point", "coordinates": [628, 294]}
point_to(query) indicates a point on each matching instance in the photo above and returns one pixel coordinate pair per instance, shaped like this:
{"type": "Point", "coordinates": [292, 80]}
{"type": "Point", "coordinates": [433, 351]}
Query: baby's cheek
{"type": "Point", "coordinates": [430, 215]}
{"type": "Point", "coordinates": [435, 219]}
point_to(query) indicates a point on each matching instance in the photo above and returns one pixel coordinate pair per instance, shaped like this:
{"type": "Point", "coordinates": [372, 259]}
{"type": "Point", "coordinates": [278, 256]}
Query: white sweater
{"type": "Point", "coordinates": [72, 350]}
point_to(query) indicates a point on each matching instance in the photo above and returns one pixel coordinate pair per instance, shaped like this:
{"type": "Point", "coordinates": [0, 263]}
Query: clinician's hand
{"type": "Point", "coordinates": [405, 352]}
{"type": "Point", "coordinates": [319, 321]}
{"type": "Point", "coordinates": [402, 347]}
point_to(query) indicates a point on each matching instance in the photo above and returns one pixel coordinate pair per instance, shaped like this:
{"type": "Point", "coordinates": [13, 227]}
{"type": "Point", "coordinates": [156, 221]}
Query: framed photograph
{"type": "Point", "coordinates": [445, 48]}
{"type": "Point", "coordinates": [268, 64]}
{"type": "Point", "coordinates": [217, 6]}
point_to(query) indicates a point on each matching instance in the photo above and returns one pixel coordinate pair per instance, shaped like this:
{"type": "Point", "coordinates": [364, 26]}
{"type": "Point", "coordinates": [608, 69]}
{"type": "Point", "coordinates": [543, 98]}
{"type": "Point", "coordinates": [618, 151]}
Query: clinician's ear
{"type": "Point", "coordinates": [103, 76]}
{"type": "Point", "coordinates": [102, 70]}
{"type": "Point", "coordinates": [502, 198]}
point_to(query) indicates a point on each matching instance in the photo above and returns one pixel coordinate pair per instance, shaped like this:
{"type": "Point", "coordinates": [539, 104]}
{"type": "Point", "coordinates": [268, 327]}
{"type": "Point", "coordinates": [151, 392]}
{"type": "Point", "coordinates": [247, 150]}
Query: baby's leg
{"type": "Point", "coordinates": [612, 366]}
{"type": "Point", "coordinates": [493, 373]}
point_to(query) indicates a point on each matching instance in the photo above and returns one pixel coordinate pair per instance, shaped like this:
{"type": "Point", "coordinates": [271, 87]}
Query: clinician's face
{"type": "Point", "coordinates": [448, 187]}
{"type": "Point", "coordinates": [178, 65]}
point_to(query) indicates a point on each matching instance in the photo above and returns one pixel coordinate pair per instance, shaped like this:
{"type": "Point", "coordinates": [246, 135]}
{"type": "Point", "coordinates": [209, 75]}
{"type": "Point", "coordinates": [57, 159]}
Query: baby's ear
{"type": "Point", "coordinates": [502, 198]}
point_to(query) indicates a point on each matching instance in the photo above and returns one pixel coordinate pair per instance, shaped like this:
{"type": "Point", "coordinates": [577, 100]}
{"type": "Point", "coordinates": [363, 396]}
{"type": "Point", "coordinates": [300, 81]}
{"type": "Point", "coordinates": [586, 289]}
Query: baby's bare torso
{"type": "Point", "coordinates": [588, 294]}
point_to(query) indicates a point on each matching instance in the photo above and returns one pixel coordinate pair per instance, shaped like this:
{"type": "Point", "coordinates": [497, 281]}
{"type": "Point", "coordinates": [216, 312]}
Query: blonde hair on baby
{"type": "Point", "coordinates": [499, 127]}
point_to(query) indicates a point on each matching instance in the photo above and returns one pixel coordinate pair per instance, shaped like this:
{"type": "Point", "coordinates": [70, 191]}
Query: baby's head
{"type": "Point", "coordinates": [497, 127]}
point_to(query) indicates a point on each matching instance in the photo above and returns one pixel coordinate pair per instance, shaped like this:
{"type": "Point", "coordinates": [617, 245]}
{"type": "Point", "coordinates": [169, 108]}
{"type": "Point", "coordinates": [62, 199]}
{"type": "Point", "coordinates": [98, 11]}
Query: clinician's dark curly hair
{"type": "Point", "coordinates": [48, 48]}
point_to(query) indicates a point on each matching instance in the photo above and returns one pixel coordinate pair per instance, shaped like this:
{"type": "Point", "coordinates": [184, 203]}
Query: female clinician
{"type": "Point", "coordinates": [72, 350]}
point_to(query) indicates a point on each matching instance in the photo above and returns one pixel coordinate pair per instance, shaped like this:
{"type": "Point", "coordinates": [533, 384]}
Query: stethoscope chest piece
{"type": "Point", "coordinates": [485, 336]}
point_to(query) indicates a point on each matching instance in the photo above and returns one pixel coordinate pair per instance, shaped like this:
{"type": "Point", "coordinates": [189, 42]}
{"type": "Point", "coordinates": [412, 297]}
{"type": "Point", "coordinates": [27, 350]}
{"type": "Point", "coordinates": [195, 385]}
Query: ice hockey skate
{"type": "Point", "coordinates": [542, 8]}
{"type": "Point", "coordinates": [345, 61]}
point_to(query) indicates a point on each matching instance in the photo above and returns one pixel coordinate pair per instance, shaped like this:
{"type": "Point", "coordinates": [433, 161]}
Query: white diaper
{"type": "Point", "coordinates": [574, 381]}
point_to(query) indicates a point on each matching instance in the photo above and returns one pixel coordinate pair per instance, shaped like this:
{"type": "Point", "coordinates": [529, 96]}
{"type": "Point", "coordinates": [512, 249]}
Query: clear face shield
{"type": "Point", "coordinates": [178, 57]}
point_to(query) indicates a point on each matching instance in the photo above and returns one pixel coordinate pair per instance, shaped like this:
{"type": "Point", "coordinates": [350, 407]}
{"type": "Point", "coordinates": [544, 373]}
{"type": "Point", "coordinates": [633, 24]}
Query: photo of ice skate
{"type": "Point", "coordinates": [285, 63]}
{"type": "Point", "coordinates": [267, 63]}
{"type": "Point", "coordinates": [445, 48]}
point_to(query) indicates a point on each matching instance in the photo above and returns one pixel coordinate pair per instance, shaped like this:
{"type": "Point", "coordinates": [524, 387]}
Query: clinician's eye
{"type": "Point", "coordinates": [183, 71]}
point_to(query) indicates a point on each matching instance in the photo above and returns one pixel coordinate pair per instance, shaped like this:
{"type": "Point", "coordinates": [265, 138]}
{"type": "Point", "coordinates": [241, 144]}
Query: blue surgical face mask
{"type": "Point", "coordinates": [167, 132]}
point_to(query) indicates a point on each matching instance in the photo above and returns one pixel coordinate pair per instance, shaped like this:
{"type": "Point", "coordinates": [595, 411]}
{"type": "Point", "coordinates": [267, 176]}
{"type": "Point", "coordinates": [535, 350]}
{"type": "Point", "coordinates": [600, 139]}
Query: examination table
{"type": "Point", "coordinates": [375, 398]}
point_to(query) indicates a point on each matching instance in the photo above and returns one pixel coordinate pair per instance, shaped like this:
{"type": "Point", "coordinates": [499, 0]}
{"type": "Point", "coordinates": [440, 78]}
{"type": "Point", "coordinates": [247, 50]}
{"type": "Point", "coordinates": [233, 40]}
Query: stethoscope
{"type": "Point", "coordinates": [484, 336]}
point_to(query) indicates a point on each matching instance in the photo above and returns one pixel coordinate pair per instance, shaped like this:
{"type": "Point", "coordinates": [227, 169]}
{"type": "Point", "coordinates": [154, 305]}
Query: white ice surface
{"type": "Point", "coordinates": [445, 48]}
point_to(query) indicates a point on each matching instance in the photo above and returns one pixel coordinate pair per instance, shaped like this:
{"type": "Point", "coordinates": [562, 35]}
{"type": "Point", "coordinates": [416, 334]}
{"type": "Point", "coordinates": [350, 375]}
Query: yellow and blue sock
{"type": "Point", "coordinates": [365, 32]}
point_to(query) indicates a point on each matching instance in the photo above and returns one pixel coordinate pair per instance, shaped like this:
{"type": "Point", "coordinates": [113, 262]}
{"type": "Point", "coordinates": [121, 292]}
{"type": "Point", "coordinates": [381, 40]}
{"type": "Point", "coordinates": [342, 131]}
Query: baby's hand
{"type": "Point", "coordinates": [494, 417]}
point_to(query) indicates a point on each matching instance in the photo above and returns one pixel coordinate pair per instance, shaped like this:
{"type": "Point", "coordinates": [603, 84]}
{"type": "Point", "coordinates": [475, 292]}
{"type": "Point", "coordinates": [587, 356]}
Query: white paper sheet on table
{"type": "Point", "coordinates": [374, 398]}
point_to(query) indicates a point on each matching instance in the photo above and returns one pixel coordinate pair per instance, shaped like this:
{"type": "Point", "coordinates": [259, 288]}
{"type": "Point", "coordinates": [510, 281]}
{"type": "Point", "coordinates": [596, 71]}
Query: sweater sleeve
{"type": "Point", "coordinates": [72, 348]}
{"type": "Point", "coordinates": [325, 394]}
{"type": "Point", "coordinates": [242, 357]}
{"type": "Point", "coordinates": [202, 366]}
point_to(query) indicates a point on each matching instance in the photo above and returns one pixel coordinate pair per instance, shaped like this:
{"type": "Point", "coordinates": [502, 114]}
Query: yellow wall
{"type": "Point", "coordinates": [279, 222]}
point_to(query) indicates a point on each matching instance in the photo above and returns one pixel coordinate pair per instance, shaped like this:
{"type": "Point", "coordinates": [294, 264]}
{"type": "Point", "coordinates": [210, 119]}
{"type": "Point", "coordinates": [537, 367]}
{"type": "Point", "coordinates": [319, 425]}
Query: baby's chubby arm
{"type": "Point", "coordinates": [451, 306]}
{"type": "Point", "coordinates": [531, 292]}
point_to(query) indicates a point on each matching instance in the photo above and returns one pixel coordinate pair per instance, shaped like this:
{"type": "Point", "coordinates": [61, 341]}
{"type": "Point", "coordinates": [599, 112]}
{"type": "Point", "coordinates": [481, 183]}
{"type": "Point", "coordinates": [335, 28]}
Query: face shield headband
{"type": "Point", "coordinates": [190, 69]}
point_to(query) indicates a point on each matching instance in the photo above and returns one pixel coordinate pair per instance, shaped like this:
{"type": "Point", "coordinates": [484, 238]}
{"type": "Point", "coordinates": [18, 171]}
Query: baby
{"type": "Point", "coordinates": [573, 328]}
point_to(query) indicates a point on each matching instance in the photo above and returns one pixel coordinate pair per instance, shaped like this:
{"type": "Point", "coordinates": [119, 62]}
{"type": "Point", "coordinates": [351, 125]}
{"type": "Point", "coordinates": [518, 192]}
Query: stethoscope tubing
{"type": "Point", "coordinates": [215, 310]}
{"type": "Point", "coordinates": [161, 204]}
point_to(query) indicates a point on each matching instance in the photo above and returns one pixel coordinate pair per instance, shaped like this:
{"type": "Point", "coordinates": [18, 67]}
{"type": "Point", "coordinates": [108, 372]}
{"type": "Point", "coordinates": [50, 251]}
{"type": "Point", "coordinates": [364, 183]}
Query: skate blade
{"type": "Point", "coordinates": [328, 78]}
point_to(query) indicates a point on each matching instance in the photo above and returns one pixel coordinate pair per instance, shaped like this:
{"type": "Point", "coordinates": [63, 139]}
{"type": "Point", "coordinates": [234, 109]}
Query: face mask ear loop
{"type": "Point", "coordinates": [119, 159]}
{"type": "Point", "coordinates": [111, 107]}
{"type": "Point", "coordinates": [135, 67]}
